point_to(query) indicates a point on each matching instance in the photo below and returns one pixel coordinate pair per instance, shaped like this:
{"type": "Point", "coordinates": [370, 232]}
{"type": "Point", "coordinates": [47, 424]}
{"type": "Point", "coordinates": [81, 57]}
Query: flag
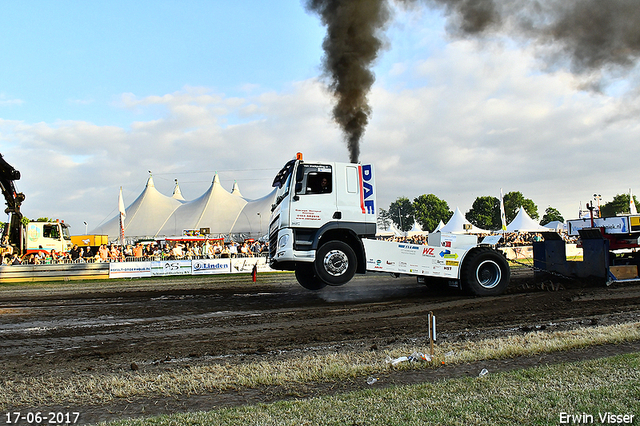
{"type": "Point", "coordinates": [503, 216]}
{"type": "Point", "coordinates": [632, 204]}
{"type": "Point", "coordinates": [123, 214]}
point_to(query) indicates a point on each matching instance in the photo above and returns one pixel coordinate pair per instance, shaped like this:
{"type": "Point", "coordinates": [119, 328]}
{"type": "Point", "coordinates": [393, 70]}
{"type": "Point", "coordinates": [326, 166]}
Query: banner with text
{"type": "Point", "coordinates": [171, 267]}
{"type": "Point", "coordinates": [129, 269]}
{"type": "Point", "coordinates": [188, 267]}
{"type": "Point", "coordinates": [210, 266]}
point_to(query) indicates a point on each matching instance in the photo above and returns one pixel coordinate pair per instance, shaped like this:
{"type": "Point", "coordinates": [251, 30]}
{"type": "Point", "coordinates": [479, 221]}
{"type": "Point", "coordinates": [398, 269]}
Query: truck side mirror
{"type": "Point", "coordinates": [298, 187]}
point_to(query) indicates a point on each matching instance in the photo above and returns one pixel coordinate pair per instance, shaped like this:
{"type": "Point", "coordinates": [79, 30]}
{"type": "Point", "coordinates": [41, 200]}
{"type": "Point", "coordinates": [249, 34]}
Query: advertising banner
{"type": "Point", "coordinates": [210, 266]}
{"type": "Point", "coordinates": [245, 264]}
{"type": "Point", "coordinates": [171, 267]}
{"type": "Point", "coordinates": [129, 269]}
{"type": "Point", "coordinates": [612, 225]}
{"type": "Point", "coordinates": [188, 267]}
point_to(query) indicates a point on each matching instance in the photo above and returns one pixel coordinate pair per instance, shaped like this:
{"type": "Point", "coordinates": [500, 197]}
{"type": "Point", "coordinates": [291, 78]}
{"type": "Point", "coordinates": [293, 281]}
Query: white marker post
{"type": "Point", "coordinates": [432, 330]}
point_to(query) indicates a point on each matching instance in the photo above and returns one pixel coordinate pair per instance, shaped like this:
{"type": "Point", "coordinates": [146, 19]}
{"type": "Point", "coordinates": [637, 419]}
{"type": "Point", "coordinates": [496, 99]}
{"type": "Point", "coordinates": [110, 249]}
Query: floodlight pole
{"type": "Point", "coordinates": [260, 216]}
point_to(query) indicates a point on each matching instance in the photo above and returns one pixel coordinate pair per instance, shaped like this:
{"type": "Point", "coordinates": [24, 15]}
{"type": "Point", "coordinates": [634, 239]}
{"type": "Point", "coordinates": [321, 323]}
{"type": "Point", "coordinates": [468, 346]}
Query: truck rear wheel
{"type": "Point", "coordinates": [485, 272]}
{"type": "Point", "coordinates": [335, 263]}
{"type": "Point", "coordinates": [307, 278]}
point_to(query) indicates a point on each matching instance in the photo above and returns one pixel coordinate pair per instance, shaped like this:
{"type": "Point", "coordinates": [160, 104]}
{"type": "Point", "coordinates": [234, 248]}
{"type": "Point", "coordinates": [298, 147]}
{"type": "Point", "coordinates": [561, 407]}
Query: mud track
{"type": "Point", "coordinates": [97, 328]}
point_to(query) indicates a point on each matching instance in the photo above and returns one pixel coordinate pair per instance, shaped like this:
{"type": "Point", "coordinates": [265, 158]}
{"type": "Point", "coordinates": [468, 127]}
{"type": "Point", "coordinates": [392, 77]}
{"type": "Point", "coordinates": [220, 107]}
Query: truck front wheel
{"type": "Point", "coordinates": [335, 263]}
{"type": "Point", "coordinates": [485, 272]}
{"type": "Point", "coordinates": [307, 278]}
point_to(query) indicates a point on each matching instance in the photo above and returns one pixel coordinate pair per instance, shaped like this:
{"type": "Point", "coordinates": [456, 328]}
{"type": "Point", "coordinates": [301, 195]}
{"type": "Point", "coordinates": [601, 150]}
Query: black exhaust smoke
{"type": "Point", "coordinates": [590, 36]}
{"type": "Point", "coordinates": [587, 36]}
{"type": "Point", "coordinates": [351, 45]}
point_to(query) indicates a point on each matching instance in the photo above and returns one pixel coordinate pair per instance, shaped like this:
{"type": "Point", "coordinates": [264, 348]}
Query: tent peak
{"type": "Point", "coordinates": [177, 193]}
{"type": "Point", "coordinates": [236, 189]}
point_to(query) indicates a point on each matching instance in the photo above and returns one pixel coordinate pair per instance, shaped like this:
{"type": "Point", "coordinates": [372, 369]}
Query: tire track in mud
{"type": "Point", "coordinates": [99, 328]}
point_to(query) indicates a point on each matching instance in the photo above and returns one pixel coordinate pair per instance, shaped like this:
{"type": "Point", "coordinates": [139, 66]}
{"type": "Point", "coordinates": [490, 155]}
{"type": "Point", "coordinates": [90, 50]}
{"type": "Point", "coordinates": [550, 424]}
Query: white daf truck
{"type": "Point", "coordinates": [323, 227]}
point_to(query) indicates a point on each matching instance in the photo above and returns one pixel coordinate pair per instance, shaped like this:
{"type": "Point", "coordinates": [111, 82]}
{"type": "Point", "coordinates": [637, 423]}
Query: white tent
{"type": "Point", "coordinates": [556, 225]}
{"type": "Point", "coordinates": [458, 224]}
{"type": "Point", "coordinates": [144, 217]}
{"type": "Point", "coordinates": [153, 214]}
{"type": "Point", "coordinates": [216, 209]}
{"type": "Point", "coordinates": [390, 231]}
{"type": "Point", "coordinates": [254, 217]}
{"type": "Point", "coordinates": [523, 223]}
{"type": "Point", "coordinates": [439, 227]}
{"type": "Point", "coordinates": [416, 230]}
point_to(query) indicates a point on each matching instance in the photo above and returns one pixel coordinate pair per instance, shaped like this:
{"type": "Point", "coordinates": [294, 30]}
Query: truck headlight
{"type": "Point", "coordinates": [282, 242]}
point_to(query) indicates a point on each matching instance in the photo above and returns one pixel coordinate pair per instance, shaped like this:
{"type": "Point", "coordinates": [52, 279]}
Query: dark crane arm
{"type": "Point", "coordinates": [13, 231]}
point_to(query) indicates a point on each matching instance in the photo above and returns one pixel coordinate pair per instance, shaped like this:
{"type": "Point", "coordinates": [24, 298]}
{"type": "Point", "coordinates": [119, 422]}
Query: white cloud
{"type": "Point", "coordinates": [482, 122]}
{"type": "Point", "coordinates": [473, 122]}
{"type": "Point", "coordinates": [71, 169]}
{"type": "Point", "coordinates": [81, 101]}
{"type": "Point", "coordinates": [9, 102]}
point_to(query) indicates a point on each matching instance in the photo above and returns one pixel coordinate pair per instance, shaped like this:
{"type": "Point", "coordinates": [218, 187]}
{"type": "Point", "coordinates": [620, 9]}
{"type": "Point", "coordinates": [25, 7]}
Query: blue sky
{"type": "Point", "coordinates": [69, 60]}
{"type": "Point", "coordinates": [94, 95]}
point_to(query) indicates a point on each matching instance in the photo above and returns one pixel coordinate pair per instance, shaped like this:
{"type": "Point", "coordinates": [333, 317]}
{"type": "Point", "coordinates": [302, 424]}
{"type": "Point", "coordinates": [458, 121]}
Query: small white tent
{"type": "Point", "coordinates": [556, 225]}
{"type": "Point", "coordinates": [458, 224]}
{"type": "Point", "coordinates": [390, 231]}
{"type": "Point", "coordinates": [523, 223]}
{"type": "Point", "coordinates": [416, 230]}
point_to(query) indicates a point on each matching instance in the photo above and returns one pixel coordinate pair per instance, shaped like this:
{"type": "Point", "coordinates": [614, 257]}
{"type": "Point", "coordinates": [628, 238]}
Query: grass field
{"type": "Point", "coordinates": [332, 367]}
{"type": "Point", "coordinates": [546, 395]}
{"type": "Point", "coordinates": [535, 396]}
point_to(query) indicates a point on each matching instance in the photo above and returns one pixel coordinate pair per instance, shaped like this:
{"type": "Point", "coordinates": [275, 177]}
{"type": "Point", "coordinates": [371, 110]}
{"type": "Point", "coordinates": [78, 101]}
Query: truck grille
{"type": "Point", "coordinates": [273, 236]}
{"type": "Point", "coordinates": [273, 245]}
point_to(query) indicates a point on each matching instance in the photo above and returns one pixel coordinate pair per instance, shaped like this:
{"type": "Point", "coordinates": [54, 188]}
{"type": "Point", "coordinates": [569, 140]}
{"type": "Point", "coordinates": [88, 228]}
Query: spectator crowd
{"type": "Point", "coordinates": [141, 251]}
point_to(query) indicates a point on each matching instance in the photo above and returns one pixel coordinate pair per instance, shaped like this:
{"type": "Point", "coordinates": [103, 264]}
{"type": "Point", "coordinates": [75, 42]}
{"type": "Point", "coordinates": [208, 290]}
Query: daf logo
{"type": "Point", "coordinates": [367, 189]}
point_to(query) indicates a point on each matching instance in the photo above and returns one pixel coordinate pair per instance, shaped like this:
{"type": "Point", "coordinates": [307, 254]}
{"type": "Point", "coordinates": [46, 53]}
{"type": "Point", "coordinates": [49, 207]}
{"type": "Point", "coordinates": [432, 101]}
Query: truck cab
{"type": "Point", "coordinates": [322, 211]}
{"type": "Point", "coordinates": [49, 236]}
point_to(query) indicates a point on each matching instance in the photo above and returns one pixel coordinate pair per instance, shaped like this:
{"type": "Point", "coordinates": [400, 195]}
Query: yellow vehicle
{"type": "Point", "coordinates": [89, 240]}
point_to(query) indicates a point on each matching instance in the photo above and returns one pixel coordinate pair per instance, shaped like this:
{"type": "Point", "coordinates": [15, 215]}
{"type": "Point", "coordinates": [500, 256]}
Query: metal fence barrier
{"type": "Point", "coordinates": [54, 272]}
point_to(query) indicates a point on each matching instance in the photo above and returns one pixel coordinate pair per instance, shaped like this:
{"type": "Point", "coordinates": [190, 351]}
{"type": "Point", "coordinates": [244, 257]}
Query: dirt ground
{"type": "Point", "coordinates": [75, 328]}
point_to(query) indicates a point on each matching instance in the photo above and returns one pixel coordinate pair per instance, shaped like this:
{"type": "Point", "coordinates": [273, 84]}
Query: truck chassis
{"type": "Point", "coordinates": [477, 270]}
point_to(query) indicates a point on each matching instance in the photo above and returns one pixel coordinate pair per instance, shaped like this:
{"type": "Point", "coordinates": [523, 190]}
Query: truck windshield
{"type": "Point", "coordinates": [51, 231]}
{"type": "Point", "coordinates": [282, 181]}
{"type": "Point", "coordinates": [315, 179]}
{"type": "Point", "coordinates": [65, 233]}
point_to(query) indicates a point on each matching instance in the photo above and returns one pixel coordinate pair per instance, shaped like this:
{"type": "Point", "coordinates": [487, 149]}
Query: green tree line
{"type": "Point", "coordinates": [428, 210]}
